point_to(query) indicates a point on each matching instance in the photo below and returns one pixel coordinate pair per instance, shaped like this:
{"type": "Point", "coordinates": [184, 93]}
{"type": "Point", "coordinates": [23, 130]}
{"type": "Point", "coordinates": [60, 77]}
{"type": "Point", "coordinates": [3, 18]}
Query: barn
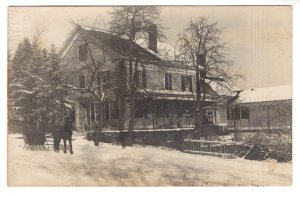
{"type": "Point", "coordinates": [261, 109]}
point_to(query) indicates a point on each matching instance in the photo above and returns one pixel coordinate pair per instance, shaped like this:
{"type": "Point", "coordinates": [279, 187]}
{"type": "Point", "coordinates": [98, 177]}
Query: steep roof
{"type": "Point", "coordinates": [120, 45]}
{"type": "Point", "coordinates": [274, 93]}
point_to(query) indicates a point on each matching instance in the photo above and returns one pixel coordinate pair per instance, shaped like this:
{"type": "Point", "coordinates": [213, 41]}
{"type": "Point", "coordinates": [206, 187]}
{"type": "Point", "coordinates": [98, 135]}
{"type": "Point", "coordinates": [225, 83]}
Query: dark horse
{"type": "Point", "coordinates": [63, 131]}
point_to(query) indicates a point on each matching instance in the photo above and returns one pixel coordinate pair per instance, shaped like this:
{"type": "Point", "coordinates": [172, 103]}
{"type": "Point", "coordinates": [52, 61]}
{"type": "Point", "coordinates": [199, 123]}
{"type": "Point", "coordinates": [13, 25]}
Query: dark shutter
{"type": "Point", "coordinates": [228, 115]}
{"type": "Point", "coordinates": [99, 78]}
{"type": "Point", "coordinates": [106, 110]}
{"type": "Point", "coordinates": [144, 77]}
{"type": "Point", "coordinates": [182, 82]}
{"type": "Point", "coordinates": [137, 77]}
{"type": "Point", "coordinates": [82, 52]}
{"type": "Point", "coordinates": [81, 81]}
{"type": "Point", "coordinates": [166, 81]}
{"type": "Point", "coordinates": [170, 82]}
{"type": "Point", "coordinates": [92, 112]}
{"type": "Point", "coordinates": [190, 83]}
{"type": "Point", "coordinates": [106, 78]}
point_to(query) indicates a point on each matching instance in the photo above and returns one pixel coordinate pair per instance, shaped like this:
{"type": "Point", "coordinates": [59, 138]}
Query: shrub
{"type": "Point", "coordinates": [277, 146]}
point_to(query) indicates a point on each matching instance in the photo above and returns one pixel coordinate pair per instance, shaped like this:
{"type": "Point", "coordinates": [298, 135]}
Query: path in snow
{"type": "Point", "coordinates": [109, 165]}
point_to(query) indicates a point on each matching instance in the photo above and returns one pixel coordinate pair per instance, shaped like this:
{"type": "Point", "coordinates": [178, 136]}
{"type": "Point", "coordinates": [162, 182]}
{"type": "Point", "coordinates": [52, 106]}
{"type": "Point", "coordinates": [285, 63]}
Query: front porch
{"type": "Point", "coordinates": [149, 114]}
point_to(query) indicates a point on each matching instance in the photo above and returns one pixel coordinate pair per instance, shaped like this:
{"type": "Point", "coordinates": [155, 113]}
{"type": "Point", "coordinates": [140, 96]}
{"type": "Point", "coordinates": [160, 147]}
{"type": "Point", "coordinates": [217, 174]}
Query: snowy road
{"type": "Point", "coordinates": [109, 165]}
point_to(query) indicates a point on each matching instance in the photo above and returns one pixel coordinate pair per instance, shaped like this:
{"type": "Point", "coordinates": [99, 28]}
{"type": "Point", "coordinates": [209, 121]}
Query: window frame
{"type": "Point", "coordinates": [242, 109]}
{"type": "Point", "coordinates": [82, 80]}
{"type": "Point", "coordinates": [168, 81]}
{"type": "Point", "coordinates": [82, 52]}
{"type": "Point", "coordinates": [186, 83]}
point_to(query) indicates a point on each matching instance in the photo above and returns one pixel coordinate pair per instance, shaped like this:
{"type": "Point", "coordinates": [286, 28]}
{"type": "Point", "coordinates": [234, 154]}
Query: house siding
{"type": "Point", "coordinates": [269, 115]}
{"type": "Point", "coordinates": [155, 75]}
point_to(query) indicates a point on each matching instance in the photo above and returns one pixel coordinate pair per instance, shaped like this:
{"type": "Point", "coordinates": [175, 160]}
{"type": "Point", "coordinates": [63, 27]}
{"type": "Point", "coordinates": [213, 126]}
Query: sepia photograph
{"type": "Point", "coordinates": [145, 95]}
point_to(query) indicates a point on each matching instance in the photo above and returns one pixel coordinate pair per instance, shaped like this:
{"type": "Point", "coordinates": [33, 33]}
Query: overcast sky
{"type": "Point", "coordinates": [259, 37]}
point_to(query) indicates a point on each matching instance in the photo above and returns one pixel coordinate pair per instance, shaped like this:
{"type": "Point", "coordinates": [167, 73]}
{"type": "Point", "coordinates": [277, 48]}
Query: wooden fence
{"type": "Point", "coordinates": [217, 148]}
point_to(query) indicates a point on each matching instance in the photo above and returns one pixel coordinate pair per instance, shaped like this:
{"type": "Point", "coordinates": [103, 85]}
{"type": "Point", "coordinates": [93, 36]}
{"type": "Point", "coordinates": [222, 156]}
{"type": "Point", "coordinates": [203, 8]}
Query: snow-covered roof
{"type": "Point", "coordinates": [223, 89]}
{"type": "Point", "coordinates": [274, 93]}
{"type": "Point", "coordinates": [164, 50]}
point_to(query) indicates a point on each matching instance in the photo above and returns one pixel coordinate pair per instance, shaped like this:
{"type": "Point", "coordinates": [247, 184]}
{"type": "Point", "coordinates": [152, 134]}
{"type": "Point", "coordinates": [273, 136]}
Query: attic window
{"type": "Point", "coordinates": [82, 52]}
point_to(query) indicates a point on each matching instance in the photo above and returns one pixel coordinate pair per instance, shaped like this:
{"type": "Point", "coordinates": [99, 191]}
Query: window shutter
{"type": "Point", "coordinates": [99, 78]}
{"type": "Point", "coordinates": [137, 77]}
{"type": "Point", "coordinates": [182, 83]}
{"type": "Point", "coordinates": [82, 52]}
{"type": "Point", "coordinates": [190, 83]}
{"type": "Point", "coordinates": [166, 81]}
{"type": "Point", "coordinates": [106, 78]}
{"type": "Point", "coordinates": [92, 111]}
{"type": "Point", "coordinates": [144, 77]}
{"type": "Point", "coordinates": [81, 81]}
{"type": "Point", "coordinates": [170, 81]}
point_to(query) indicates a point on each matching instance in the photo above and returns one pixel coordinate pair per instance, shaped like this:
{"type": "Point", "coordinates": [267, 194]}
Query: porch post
{"type": "Point", "coordinates": [154, 116]}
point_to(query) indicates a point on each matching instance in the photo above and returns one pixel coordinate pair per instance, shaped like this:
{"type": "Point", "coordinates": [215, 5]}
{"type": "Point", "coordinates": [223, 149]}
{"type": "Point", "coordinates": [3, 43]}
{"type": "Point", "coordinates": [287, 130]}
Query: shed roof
{"type": "Point", "coordinates": [273, 93]}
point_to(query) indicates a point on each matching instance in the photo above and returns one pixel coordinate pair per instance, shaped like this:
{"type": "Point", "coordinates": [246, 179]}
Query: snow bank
{"type": "Point", "coordinates": [109, 165]}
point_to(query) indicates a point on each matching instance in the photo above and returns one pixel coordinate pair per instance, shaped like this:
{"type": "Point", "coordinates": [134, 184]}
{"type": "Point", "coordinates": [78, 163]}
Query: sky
{"type": "Point", "coordinates": [259, 37]}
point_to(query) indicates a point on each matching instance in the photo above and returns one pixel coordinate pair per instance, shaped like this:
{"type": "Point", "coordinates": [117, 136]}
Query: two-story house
{"type": "Point", "coordinates": [165, 92]}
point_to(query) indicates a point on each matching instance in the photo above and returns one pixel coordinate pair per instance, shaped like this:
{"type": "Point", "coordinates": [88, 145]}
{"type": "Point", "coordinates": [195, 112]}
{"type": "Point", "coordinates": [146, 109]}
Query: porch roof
{"type": "Point", "coordinates": [169, 95]}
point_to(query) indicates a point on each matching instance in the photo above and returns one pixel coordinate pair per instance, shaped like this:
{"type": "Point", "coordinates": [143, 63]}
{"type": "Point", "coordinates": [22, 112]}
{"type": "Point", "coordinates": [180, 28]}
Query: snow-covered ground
{"type": "Point", "coordinates": [110, 165]}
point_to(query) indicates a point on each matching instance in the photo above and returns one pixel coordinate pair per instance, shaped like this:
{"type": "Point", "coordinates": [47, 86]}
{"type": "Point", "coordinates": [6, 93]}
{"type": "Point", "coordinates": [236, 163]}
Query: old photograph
{"type": "Point", "coordinates": [149, 96]}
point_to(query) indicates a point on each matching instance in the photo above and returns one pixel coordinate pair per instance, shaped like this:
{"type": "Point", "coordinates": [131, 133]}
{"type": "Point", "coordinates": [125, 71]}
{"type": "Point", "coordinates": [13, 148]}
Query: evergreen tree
{"type": "Point", "coordinates": [33, 82]}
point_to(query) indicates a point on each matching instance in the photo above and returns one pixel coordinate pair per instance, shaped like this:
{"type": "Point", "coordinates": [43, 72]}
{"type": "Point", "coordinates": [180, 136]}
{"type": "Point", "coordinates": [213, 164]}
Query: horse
{"type": "Point", "coordinates": [63, 131]}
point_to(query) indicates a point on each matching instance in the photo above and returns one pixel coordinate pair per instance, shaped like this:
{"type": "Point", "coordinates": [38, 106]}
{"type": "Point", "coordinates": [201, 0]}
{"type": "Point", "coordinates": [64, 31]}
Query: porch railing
{"type": "Point", "coordinates": [217, 148]}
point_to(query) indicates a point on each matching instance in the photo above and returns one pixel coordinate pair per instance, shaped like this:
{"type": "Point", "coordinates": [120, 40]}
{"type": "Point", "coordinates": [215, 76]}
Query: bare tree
{"type": "Point", "coordinates": [201, 47]}
{"type": "Point", "coordinates": [134, 23]}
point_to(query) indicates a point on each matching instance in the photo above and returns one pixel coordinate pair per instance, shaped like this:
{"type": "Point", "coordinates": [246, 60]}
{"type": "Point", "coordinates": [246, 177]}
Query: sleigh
{"type": "Point", "coordinates": [35, 140]}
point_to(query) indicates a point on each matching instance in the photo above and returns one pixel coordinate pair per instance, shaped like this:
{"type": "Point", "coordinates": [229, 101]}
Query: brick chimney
{"type": "Point", "coordinates": [152, 32]}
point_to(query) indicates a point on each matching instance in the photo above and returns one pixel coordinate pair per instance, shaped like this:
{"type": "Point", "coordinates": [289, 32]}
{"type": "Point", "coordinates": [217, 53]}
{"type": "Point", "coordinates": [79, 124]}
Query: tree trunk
{"type": "Point", "coordinates": [198, 116]}
{"type": "Point", "coordinates": [132, 74]}
{"type": "Point", "coordinates": [99, 130]}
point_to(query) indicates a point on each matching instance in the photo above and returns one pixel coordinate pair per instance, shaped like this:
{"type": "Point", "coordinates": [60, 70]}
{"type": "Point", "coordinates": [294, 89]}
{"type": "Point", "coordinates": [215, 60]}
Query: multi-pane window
{"type": "Point", "coordinates": [237, 113]}
{"type": "Point", "coordinates": [186, 83]}
{"type": "Point", "coordinates": [141, 78]}
{"type": "Point", "coordinates": [82, 52]}
{"type": "Point", "coordinates": [81, 81]}
{"type": "Point", "coordinates": [168, 81]}
{"type": "Point", "coordinates": [104, 78]}
{"type": "Point", "coordinates": [244, 113]}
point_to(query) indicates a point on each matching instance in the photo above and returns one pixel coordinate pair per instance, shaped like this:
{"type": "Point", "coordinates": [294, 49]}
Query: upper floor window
{"type": "Point", "coordinates": [186, 83]}
{"type": "Point", "coordinates": [81, 81]}
{"type": "Point", "coordinates": [141, 78]}
{"type": "Point", "coordinates": [104, 78]}
{"type": "Point", "coordinates": [82, 52]}
{"type": "Point", "coordinates": [168, 81]}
